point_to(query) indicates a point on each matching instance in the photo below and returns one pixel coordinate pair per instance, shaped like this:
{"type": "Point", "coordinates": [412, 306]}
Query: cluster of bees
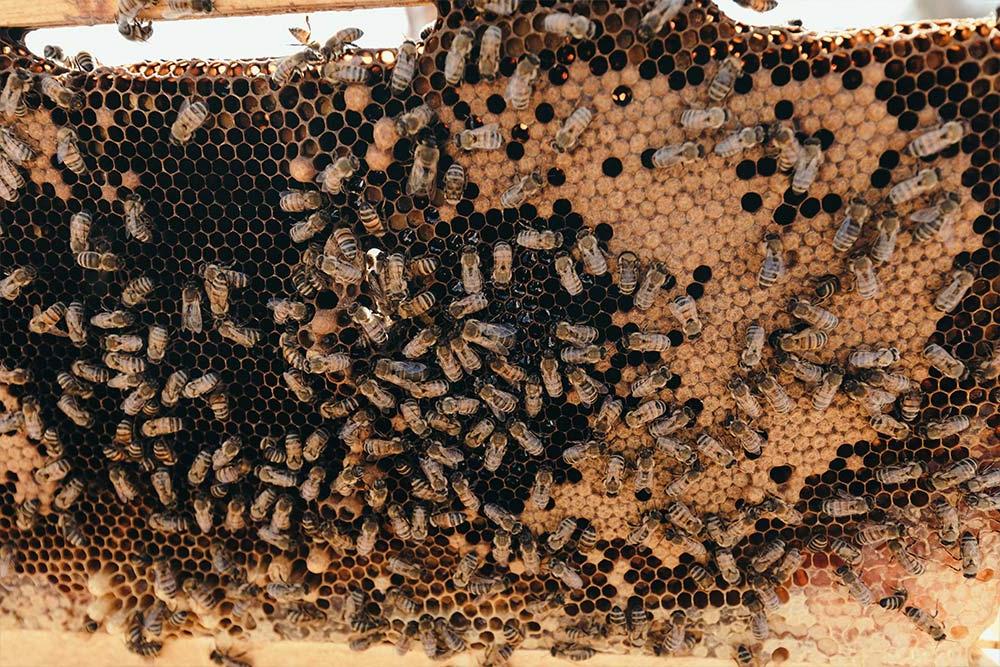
{"type": "Point", "coordinates": [134, 29]}
{"type": "Point", "coordinates": [449, 368]}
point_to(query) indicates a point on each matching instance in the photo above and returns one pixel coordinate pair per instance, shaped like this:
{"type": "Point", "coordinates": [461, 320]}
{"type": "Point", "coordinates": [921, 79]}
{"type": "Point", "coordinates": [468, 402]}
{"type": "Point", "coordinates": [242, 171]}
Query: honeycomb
{"type": "Point", "coordinates": [312, 477]}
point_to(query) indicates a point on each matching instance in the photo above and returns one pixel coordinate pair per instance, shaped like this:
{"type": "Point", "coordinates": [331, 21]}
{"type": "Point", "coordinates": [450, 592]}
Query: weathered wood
{"type": "Point", "coordinates": [51, 13]}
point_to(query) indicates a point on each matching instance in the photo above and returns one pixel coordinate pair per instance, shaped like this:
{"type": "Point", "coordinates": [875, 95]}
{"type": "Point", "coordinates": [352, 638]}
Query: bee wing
{"type": "Point", "coordinates": [925, 215]}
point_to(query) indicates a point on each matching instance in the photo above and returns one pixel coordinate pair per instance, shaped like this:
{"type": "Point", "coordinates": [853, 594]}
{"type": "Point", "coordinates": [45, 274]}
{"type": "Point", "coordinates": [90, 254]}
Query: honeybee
{"type": "Point", "coordinates": [674, 422]}
{"type": "Point", "coordinates": [685, 310]}
{"type": "Point", "coordinates": [926, 623]}
{"type": "Point", "coordinates": [849, 230]}
{"type": "Point", "coordinates": [594, 261]}
{"type": "Point", "coordinates": [16, 149]}
{"type": "Point", "coordinates": [496, 448]}
{"type": "Point", "coordinates": [923, 182]}
{"type": "Point", "coordinates": [298, 201]}
{"type": "Point", "coordinates": [286, 68]}
{"type": "Point", "coordinates": [484, 138]}
{"type": "Point", "coordinates": [726, 563]}
{"type": "Point", "coordinates": [677, 154]}
{"type": "Point", "coordinates": [567, 575]}
{"type": "Point", "coordinates": [985, 479]}
{"type": "Point", "coordinates": [454, 183]}
{"type": "Point", "coordinates": [855, 586]}
{"type": "Point", "coordinates": [370, 325]}
{"type": "Point", "coordinates": [517, 194]}
{"type": "Point", "coordinates": [895, 601]}
{"type": "Point", "coordinates": [750, 440]}
{"type": "Point", "coordinates": [887, 229]}
{"type": "Point", "coordinates": [424, 170]}
{"type": "Point", "coordinates": [332, 178]}
{"type": "Point", "coordinates": [970, 555]}
{"type": "Point", "coordinates": [900, 473]}
{"type": "Point", "coordinates": [170, 522]}
{"type": "Point", "coordinates": [773, 268]}
{"type": "Point", "coordinates": [740, 141]}
{"type": "Point", "coordinates": [645, 295]}
{"type": "Point", "coordinates": [71, 385]}
{"type": "Point", "coordinates": [177, 9]}
{"type": "Point", "coordinates": [60, 94]}
{"type": "Point", "coordinates": [952, 294]}
{"type": "Point", "coordinates": [788, 147]}
{"type": "Point", "coordinates": [713, 450]}
{"type": "Point", "coordinates": [844, 504]}
{"type": "Point", "coordinates": [238, 334]}
{"type": "Point", "coordinates": [758, 5]}
{"type": "Point", "coordinates": [866, 281]}
{"type": "Point", "coordinates": [816, 316]}
{"type": "Point", "coordinates": [936, 140]}
{"type": "Point", "coordinates": [520, 86]}
{"type": "Point", "coordinates": [929, 221]}
{"type": "Point", "coordinates": [566, 270]}
{"type": "Point", "coordinates": [190, 117]}
{"type": "Point", "coordinates": [774, 393]}
{"type": "Point", "coordinates": [157, 342]}
{"type": "Point", "coordinates": [405, 67]}
{"type": "Point", "coordinates": [455, 61]}
{"type": "Point", "coordinates": [806, 340]}
{"type": "Point", "coordinates": [954, 473]}
{"type": "Point", "coordinates": [69, 406]}
{"type": "Point", "coordinates": [789, 564]}
{"type": "Point", "coordinates": [807, 166]}
{"type": "Point", "coordinates": [160, 426]}
{"type": "Point", "coordinates": [15, 376]}
{"type": "Point", "coordinates": [657, 17]}
{"type": "Point", "coordinates": [724, 81]}
{"type": "Point", "coordinates": [15, 281]}
{"type": "Point", "coordinates": [11, 421]}
{"type": "Point", "coordinates": [12, 99]}
{"type": "Point", "coordinates": [678, 513]}
{"type": "Point", "coordinates": [711, 118]}
{"type": "Point", "coordinates": [945, 362]}
{"type": "Point", "coordinates": [47, 321]}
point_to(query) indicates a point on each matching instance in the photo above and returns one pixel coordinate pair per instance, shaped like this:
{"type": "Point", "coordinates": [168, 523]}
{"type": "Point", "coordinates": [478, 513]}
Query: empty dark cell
{"type": "Point", "coordinates": [820, 67]}
{"type": "Point", "coordinates": [695, 290]}
{"type": "Point", "coordinates": [665, 65]}
{"type": "Point", "coordinates": [936, 96]}
{"type": "Point", "coordinates": [793, 198]}
{"type": "Point", "coordinates": [905, 86]}
{"type": "Point", "coordinates": [884, 90]}
{"type": "Point", "coordinates": [622, 96]}
{"type": "Point", "coordinates": [781, 75]}
{"type": "Point", "coordinates": [784, 110]}
{"type": "Point", "coordinates": [852, 79]}
{"type": "Point", "coordinates": [832, 203]}
{"type": "Point", "coordinates": [558, 75]}
{"type": "Point", "coordinates": [767, 166]}
{"type": "Point", "coordinates": [598, 66]}
{"type": "Point", "coordinates": [618, 60]}
{"type": "Point", "coordinates": [896, 105]}
{"type": "Point", "coordinates": [562, 207]}
{"type": "Point", "coordinates": [647, 69]}
{"type": "Point", "coordinates": [676, 337]}
{"type": "Point", "coordinates": [889, 159]}
{"type": "Point", "coordinates": [519, 132]}
{"type": "Point", "coordinates": [695, 76]}
{"type": "Point", "coordinates": [916, 101]}
{"type": "Point", "coordinates": [515, 150]}
{"type": "Point", "coordinates": [676, 81]}
{"type": "Point", "coordinates": [743, 85]}
{"type": "Point", "coordinates": [881, 178]}
{"type": "Point", "coordinates": [746, 170]}
{"type": "Point", "coordinates": [958, 92]}
{"type": "Point", "coordinates": [784, 215]}
{"type": "Point", "coordinates": [556, 176]}
{"type": "Point", "coordinates": [825, 136]}
{"type": "Point", "coordinates": [702, 273]}
{"type": "Point", "coordinates": [751, 202]}
{"type": "Point", "coordinates": [810, 207]}
{"type": "Point", "coordinates": [968, 71]}
{"type": "Point", "coordinates": [647, 158]}
{"type": "Point", "coordinates": [612, 167]}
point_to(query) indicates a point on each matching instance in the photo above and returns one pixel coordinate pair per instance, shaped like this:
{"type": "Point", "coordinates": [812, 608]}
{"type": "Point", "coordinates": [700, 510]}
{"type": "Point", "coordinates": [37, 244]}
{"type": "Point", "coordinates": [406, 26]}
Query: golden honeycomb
{"type": "Point", "coordinates": [214, 559]}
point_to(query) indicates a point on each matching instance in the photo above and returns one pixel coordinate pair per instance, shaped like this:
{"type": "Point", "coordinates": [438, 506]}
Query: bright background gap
{"type": "Point", "coordinates": [259, 36]}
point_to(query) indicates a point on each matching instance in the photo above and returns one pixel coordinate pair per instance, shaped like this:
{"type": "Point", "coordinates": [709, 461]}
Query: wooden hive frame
{"type": "Point", "coordinates": [859, 93]}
